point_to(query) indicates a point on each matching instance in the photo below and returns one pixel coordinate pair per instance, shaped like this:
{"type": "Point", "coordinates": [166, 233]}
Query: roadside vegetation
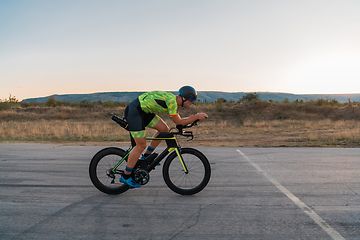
{"type": "Point", "coordinates": [246, 122]}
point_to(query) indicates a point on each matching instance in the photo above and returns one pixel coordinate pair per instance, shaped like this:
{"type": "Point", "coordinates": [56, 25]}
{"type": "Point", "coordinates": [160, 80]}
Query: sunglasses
{"type": "Point", "coordinates": [191, 99]}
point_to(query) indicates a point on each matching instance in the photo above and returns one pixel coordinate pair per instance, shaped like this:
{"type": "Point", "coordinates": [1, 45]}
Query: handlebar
{"type": "Point", "coordinates": [180, 127]}
{"type": "Point", "coordinates": [188, 134]}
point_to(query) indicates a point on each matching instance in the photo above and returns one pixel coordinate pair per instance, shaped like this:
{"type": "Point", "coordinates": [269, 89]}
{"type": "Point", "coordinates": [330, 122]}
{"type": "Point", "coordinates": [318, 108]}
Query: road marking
{"type": "Point", "coordinates": [319, 221]}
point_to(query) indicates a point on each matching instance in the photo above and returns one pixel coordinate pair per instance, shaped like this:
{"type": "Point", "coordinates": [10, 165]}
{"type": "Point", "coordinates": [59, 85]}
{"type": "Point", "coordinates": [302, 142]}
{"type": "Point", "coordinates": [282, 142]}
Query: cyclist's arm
{"type": "Point", "coordinates": [183, 121]}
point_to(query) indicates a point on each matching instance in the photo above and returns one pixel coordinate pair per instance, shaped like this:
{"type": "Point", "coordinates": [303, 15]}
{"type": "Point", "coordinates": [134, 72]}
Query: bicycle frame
{"type": "Point", "coordinates": [171, 145]}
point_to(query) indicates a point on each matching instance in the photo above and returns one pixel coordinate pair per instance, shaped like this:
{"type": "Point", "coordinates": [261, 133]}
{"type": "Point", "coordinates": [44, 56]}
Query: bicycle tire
{"type": "Point", "coordinates": [99, 167]}
{"type": "Point", "coordinates": [198, 176]}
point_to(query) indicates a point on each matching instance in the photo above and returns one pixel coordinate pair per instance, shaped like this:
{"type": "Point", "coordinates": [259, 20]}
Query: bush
{"type": "Point", "coordinates": [85, 103]}
{"type": "Point", "coordinates": [12, 101]}
{"type": "Point", "coordinates": [325, 102]}
{"type": "Point", "coordinates": [221, 100]}
{"type": "Point", "coordinates": [249, 97]}
{"type": "Point", "coordinates": [51, 101]}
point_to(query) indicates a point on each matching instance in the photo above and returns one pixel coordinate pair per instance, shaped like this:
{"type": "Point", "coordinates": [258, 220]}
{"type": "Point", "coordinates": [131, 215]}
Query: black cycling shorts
{"type": "Point", "coordinates": [137, 119]}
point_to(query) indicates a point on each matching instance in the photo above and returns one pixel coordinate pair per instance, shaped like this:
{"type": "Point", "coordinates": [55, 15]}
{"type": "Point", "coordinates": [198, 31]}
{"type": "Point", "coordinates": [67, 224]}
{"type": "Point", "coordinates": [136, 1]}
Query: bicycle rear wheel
{"type": "Point", "coordinates": [100, 171]}
{"type": "Point", "coordinates": [195, 180]}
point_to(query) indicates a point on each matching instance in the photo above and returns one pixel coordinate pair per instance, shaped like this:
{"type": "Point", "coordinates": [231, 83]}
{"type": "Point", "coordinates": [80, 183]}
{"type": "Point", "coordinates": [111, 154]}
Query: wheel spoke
{"type": "Point", "coordinates": [194, 180]}
{"type": "Point", "coordinates": [101, 173]}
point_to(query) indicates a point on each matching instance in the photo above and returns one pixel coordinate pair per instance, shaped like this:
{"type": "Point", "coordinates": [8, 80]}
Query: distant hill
{"type": "Point", "coordinates": [208, 96]}
{"type": "Point", "coordinates": [92, 97]}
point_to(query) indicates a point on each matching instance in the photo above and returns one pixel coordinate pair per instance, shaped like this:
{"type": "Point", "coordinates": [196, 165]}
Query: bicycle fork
{"type": "Point", "coordinates": [177, 150]}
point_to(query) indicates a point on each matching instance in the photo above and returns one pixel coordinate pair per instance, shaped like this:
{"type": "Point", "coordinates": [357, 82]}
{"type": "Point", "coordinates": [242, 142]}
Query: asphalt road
{"type": "Point", "coordinates": [254, 193]}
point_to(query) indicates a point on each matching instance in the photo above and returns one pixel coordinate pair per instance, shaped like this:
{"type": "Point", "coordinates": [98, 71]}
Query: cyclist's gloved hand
{"type": "Point", "coordinates": [201, 116]}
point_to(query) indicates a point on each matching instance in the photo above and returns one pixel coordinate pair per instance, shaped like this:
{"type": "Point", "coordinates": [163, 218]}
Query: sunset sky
{"type": "Point", "coordinates": [85, 46]}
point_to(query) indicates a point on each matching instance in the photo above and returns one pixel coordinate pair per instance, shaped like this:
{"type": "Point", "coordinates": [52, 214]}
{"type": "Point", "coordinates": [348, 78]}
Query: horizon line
{"type": "Point", "coordinates": [137, 91]}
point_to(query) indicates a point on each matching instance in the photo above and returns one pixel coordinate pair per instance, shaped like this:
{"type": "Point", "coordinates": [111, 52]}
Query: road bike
{"type": "Point", "coordinates": [185, 171]}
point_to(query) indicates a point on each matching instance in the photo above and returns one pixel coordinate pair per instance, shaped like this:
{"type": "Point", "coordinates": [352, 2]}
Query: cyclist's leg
{"type": "Point", "coordinates": [135, 153]}
{"type": "Point", "coordinates": [161, 126]}
{"type": "Point", "coordinates": [134, 117]}
{"type": "Point", "coordinates": [158, 124]}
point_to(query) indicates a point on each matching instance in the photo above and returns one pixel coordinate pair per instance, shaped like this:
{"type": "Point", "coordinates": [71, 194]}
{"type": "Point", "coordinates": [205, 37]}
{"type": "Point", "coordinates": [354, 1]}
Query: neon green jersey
{"type": "Point", "coordinates": [158, 101]}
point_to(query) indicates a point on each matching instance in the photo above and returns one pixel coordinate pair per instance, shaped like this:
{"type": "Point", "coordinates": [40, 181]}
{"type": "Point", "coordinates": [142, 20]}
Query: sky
{"type": "Point", "coordinates": [86, 46]}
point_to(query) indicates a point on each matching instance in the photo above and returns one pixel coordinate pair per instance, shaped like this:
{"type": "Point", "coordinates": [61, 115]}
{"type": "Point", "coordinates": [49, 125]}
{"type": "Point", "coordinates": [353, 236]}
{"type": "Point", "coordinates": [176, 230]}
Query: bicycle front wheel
{"type": "Point", "coordinates": [100, 171]}
{"type": "Point", "coordinates": [195, 180]}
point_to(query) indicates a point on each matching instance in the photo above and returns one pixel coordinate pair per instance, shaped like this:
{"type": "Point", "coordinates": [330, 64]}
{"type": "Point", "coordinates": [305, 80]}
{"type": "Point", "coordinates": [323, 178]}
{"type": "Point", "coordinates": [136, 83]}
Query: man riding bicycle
{"type": "Point", "coordinates": [140, 114]}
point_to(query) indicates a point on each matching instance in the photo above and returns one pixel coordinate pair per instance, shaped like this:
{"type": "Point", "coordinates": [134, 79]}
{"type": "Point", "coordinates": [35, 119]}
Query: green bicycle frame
{"type": "Point", "coordinates": [118, 164]}
{"type": "Point", "coordinates": [171, 145]}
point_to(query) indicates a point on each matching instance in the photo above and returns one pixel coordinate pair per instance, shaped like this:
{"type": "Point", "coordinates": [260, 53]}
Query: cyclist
{"type": "Point", "coordinates": [140, 114]}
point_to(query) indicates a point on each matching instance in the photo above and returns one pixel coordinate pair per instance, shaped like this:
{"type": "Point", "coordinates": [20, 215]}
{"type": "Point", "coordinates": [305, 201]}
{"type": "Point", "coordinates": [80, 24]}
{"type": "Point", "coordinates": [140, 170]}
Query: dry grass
{"type": "Point", "coordinates": [281, 133]}
{"type": "Point", "coordinates": [263, 125]}
{"type": "Point", "coordinates": [275, 133]}
{"type": "Point", "coordinates": [61, 131]}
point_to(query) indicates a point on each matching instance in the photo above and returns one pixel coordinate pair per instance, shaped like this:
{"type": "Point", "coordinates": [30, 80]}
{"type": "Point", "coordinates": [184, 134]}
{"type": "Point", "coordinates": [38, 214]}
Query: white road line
{"type": "Point", "coordinates": [319, 221]}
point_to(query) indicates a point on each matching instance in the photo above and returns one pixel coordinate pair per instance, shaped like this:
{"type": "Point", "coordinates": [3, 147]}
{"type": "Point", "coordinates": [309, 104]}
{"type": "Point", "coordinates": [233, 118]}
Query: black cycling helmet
{"type": "Point", "coordinates": [189, 93]}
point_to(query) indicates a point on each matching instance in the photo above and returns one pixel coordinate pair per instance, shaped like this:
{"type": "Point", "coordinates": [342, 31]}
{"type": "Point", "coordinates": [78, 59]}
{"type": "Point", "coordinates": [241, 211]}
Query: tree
{"type": "Point", "coordinates": [249, 97]}
{"type": "Point", "coordinates": [84, 103]}
{"type": "Point", "coordinates": [286, 100]}
{"type": "Point", "coordinates": [12, 99]}
{"type": "Point", "coordinates": [221, 100]}
{"type": "Point", "coordinates": [50, 101]}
